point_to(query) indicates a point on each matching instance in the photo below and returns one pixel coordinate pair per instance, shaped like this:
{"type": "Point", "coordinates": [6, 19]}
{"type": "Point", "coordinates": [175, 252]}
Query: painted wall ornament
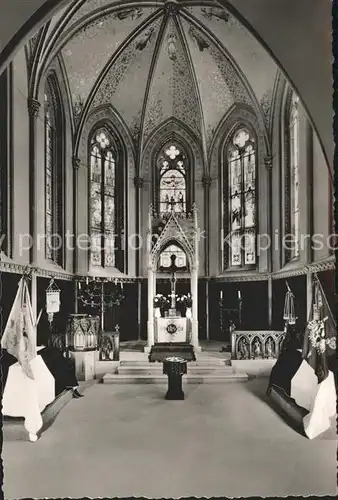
{"type": "Point", "coordinates": [143, 42]}
{"type": "Point", "coordinates": [218, 14]}
{"type": "Point", "coordinates": [134, 13]}
{"type": "Point", "coordinates": [172, 47]}
{"type": "Point", "coordinates": [201, 43]}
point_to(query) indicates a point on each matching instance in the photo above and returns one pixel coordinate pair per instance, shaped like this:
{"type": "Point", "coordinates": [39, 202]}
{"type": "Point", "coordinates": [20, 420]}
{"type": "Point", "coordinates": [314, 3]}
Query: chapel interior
{"type": "Point", "coordinates": [162, 179]}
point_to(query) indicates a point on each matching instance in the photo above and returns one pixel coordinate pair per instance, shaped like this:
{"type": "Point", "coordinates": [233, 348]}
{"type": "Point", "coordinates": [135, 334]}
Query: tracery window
{"type": "Point", "coordinates": [240, 201]}
{"type": "Point", "coordinates": [54, 199]}
{"type": "Point", "coordinates": [106, 209]}
{"type": "Point", "coordinates": [172, 179]}
{"type": "Point", "coordinates": [292, 179]}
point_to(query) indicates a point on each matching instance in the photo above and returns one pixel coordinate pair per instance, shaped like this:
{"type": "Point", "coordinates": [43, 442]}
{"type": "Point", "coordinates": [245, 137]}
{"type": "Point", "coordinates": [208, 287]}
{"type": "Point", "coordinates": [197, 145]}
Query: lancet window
{"type": "Point", "coordinates": [54, 197]}
{"type": "Point", "coordinates": [172, 180]}
{"type": "Point", "coordinates": [106, 201]}
{"type": "Point", "coordinates": [240, 201]}
{"type": "Point", "coordinates": [292, 181]}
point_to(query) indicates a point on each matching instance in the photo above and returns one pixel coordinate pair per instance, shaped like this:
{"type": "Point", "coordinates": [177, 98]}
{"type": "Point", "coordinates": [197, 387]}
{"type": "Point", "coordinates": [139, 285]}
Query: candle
{"type": "Point", "coordinates": [239, 294]}
{"type": "Point", "coordinates": [221, 294]}
{"type": "Point", "coordinates": [87, 281]}
{"type": "Point", "coordinates": [79, 285]}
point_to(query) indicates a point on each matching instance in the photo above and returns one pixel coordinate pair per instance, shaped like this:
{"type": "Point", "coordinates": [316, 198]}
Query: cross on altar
{"type": "Point", "coordinates": [173, 269]}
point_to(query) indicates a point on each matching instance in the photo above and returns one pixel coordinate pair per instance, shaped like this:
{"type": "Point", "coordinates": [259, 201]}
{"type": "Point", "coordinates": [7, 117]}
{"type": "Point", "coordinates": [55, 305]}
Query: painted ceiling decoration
{"type": "Point", "coordinates": [153, 61]}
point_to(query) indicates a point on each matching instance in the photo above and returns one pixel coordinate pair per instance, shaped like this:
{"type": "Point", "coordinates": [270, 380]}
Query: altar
{"type": "Point", "coordinates": [179, 324]}
{"type": "Point", "coordinates": [172, 330]}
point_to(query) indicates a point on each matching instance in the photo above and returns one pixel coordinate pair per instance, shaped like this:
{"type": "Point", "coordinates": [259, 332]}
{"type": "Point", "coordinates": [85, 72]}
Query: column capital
{"type": "Point", "coordinates": [268, 162]}
{"type": "Point", "coordinates": [33, 107]}
{"type": "Point", "coordinates": [206, 181]}
{"type": "Point", "coordinates": [76, 162]}
{"type": "Point", "coordinates": [138, 182]}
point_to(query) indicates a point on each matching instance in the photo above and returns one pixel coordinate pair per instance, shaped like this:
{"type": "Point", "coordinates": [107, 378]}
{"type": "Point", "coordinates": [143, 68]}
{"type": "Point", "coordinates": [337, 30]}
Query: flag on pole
{"type": "Point", "coordinates": [320, 334]}
{"type": "Point", "coordinates": [19, 334]}
{"type": "Point", "coordinates": [319, 345]}
{"type": "Point", "coordinates": [302, 382]}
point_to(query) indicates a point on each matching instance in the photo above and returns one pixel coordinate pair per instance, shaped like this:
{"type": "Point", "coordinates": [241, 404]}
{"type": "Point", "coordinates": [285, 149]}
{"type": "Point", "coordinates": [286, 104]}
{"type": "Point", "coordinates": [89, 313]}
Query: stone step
{"type": "Point", "coordinates": [187, 379]}
{"type": "Point", "coordinates": [155, 370]}
{"type": "Point", "coordinates": [199, 362]}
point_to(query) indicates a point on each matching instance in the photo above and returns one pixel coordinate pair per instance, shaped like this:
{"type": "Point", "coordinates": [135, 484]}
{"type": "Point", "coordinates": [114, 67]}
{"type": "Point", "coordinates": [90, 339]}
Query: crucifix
{"type": "Point", "coordinates": [173, 269]}
{"type": "Point", "coordinates": [172, 204]}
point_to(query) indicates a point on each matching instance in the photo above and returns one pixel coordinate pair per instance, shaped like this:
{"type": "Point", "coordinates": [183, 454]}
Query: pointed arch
{"type": "Point", "coordinates": [240, 198]}
{"type": "Point", "coordinates": [291, 124]}
{"type": "Point", "coordinates": [54, 126]}
{"type": "Point", "coordinates": [173, 247]}
{"type": "Point", "coordinates": [176, 131]}
{"type": "Point", "coordinates": [106, 162]}
{"type": "Point", "coordinates": [239, 223]}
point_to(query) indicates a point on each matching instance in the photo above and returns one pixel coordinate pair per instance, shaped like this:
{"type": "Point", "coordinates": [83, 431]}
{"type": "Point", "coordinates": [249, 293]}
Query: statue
{"type": "Point", "coordinates": [270, 352]}
{"type": "Point", "coordinates": [243, 350]}
{"type": "Point", "coordinates": [257, 349]}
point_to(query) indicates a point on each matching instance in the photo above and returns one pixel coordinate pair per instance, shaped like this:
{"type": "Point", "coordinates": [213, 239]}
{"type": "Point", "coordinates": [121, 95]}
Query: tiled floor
{"type": "Point", "coordinates": [129, 441]}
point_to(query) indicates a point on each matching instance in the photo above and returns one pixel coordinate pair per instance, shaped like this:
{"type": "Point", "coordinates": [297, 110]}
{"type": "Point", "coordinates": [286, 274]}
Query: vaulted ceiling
{"type": "Point", "coordinates": [151, 61]}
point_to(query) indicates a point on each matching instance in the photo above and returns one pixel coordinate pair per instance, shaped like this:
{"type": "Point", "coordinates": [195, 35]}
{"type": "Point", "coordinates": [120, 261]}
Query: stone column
{"type": "Point", "coordinates": [138, 183]}
{"type": "Point", "coordinates": [206, 181]}
{"type": "Point", "coordinates": [194, 293]}
{"type": "Point", "coordinates": [207, 308]}
{"type": "Point", "coordinates": [268, 166]}
{"type": "Point", "coordinates": [309, 291]}
{"type": "Point", "coordinates": [76, 297]}
{"type": "Point", "coordinates": [34, 299]}
{"type": "Point", "coordinates": [150, 323]}
{"type": "Point", "coordinates": [270, 302]}
{"type": "Point", "coordinates": [194, 286]}
{"type": "Point", "coordinates": [76, 165]}
{"type": "Point", "coordinates": [33, 111]}
{"type": "Point", "coordinates": [139, 298]}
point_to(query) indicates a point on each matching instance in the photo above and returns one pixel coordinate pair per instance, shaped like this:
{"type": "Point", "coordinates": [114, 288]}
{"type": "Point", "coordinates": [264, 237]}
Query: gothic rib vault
{"type": "Point", "coordinates": [152, 61]}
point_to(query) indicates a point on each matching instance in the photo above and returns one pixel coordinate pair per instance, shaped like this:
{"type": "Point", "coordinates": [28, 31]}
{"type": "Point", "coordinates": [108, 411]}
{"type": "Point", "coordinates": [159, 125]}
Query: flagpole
{"type": "Point", "coordinates": [324, 298]}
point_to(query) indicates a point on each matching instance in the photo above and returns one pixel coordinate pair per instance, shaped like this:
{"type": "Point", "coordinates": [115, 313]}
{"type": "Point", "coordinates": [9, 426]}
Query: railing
{"type": "Point", "coordinates": [260, 344]}
{"type": "Point", "coordinates": [109, 345]}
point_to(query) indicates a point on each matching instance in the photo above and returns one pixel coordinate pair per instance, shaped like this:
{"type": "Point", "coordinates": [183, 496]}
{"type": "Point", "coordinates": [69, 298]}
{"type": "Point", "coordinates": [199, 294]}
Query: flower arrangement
{"type": "Point", "coordinates": [185, 300]}
{"type": "Point", "coordinates": [161, 301]}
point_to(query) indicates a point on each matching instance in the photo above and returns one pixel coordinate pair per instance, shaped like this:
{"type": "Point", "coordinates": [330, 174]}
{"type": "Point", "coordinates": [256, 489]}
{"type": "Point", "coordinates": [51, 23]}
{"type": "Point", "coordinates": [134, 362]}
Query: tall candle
{"type": "Point", "coordinates": [239, 294]}
{"type": "Point", "coordinates": [87, 281]}
{"type": "Point", "coordinates": [221, 294]}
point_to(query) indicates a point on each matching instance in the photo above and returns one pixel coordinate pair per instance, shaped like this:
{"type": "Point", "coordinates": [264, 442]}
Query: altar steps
{"type": "Point", "coordinates": [203, 371]}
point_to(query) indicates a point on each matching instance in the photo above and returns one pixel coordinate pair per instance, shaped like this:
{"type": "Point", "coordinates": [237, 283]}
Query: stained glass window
{"type": "Point", "coordinates": [165, 257]}
{"type": "Point", "coordinates": [240, 201]}
{"type": "Point", "coordinates": [53, 172]}
{"type": "Point", "coordinates": [172, 165]}
{"type": "Point", "coordinates": [102, 199]}
{"type": "Point", "coordinates": [294, 176]}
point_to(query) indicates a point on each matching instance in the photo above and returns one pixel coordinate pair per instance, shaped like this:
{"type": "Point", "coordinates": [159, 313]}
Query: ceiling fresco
{"type": "Point", "coordinates": [155, 60]}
